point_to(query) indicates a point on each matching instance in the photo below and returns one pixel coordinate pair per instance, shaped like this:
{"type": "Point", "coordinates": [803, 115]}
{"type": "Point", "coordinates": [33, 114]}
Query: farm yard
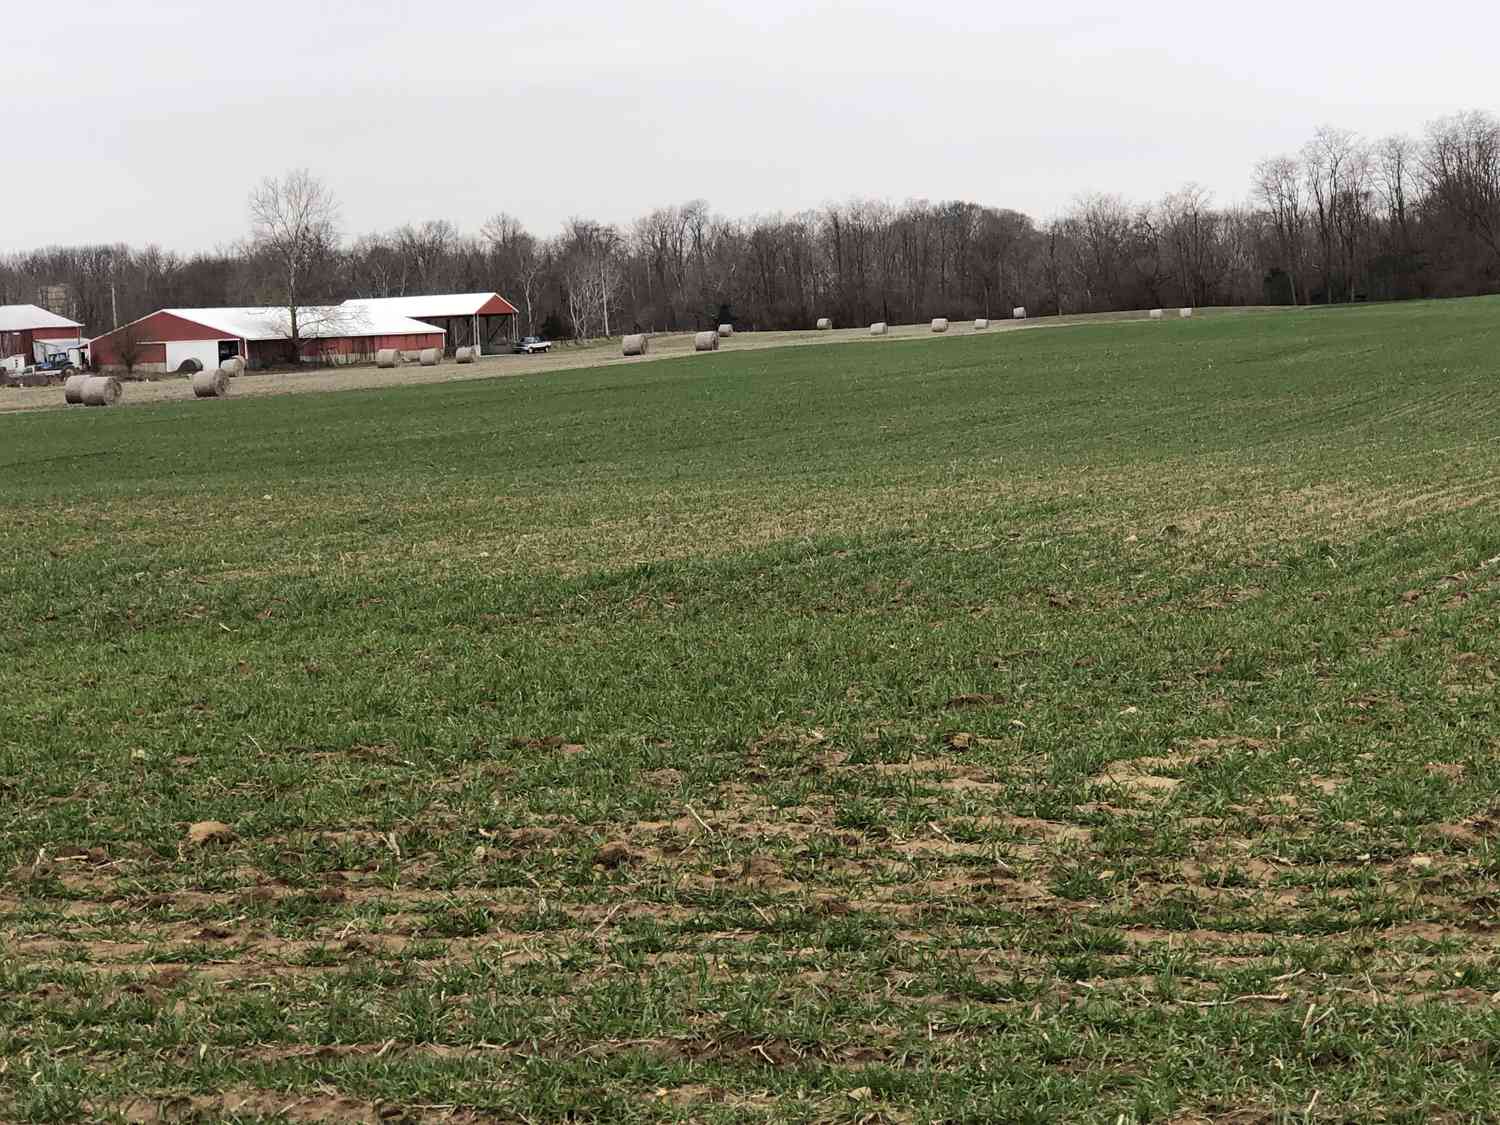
{"type": "Point", "coordinates": [597, 353]}
{"type": "Point", "coordinates": [1094, 725]}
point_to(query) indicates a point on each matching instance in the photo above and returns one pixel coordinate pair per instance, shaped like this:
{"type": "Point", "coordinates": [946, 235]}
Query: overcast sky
{"type": "Point", "coordinates": [146, 122]}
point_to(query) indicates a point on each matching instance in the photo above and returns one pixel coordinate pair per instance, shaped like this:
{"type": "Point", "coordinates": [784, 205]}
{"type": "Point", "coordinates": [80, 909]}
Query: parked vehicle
{"type": "Point", "coordinates": [60, 364]}
{"type": "Point", "coordinates": [16, 372]}
{"type": "Point", "coordinates": [531, 345]}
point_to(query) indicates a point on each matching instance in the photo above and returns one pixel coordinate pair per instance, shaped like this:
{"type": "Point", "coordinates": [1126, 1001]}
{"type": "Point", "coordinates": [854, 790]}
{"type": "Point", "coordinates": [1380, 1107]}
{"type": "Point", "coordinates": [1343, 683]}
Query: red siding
{"type": "Point", "coordinates": [154, 331]}
{"type": "Point", "coordinates": [157, 328]}
{"type": "Point", "coordinates": [497, 306]}
{"type": "Point", "coordinates": [275, 352]}
{"type": "Point", "coordinates": [20, 342]}
{"type": "Point", "coordinates": [369, 345]}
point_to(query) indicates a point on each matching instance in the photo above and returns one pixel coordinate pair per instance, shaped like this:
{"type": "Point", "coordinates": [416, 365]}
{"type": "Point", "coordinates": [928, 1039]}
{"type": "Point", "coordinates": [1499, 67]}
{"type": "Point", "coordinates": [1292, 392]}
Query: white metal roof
{"type": "Point", "coordinates": [313, 322]}
{"type": "Point", "coordinates": [21, 318]}
{"type": "Point", "coordinates": [442, 304]}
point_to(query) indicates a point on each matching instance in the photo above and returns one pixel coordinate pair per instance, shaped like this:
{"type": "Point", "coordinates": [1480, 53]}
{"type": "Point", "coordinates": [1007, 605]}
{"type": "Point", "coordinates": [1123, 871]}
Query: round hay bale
{"type": "Point", "coordinates": [878, 328]}
{"type": "Point", "coordinates": [706, 342]}
{"type": "Point", "coordinates": [73, 389]}
{"type": "Point", "coordinates": [1186, 314]}
{"type": "Point", "coordinates": [464, 355]}
{"type": "Point", "coordinates": [824, 324]}
{"type": "Point", "coordinates": [387, 357]}
{"type": "Point", "coordinates": [1157, 314]}
{"type": "Point", "coordinates": [234, 366]}
{"type": "Point", "coordinates": [726, 330]}
{"type": "Point", "coordinates": [430, 357]}
{"type": "Point", "coordinates": [101, 390]}
{"type": "Point", "coordinates": [189, 366]}
{"type": "Point", "coordinates": [211, 384]}
{"type": "Point", "coordinates": [1019, 314]}
{"type": "Point", "coordinates": [981, 324]}
{"type": "Point", "coordinates": [940, 324]}
{"type": "Point", "coordinates": [635, 345]}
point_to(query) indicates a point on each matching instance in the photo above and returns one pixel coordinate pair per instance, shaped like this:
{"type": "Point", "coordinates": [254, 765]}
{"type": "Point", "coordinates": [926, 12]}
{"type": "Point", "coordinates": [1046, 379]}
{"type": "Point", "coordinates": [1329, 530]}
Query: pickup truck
{"type": "Point", "coordinates": [531, 345]}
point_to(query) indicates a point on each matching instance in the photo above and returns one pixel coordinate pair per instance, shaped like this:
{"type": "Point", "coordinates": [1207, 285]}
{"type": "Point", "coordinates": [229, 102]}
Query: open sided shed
{"type": "Point", "coordinates": [26, 330]}
{"type": "Point", "coordinates": [328, 334]}
{"type": "Point", "coordinates": [486, 319]}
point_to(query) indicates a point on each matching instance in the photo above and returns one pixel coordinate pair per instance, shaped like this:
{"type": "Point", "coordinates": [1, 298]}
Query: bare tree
{"type": "Point", "coordinates": [1099, 227]}
{"type": "Point", "coordinates": [294, 224]}
{"type": "Point", "coordinates": [592, 276]}
{"type": "Point", "coordinates": [1057, 236]}
{"type": "Point", "coordinates": [519, 257]}
{"type": "Point", "coordinates": [129, 345]}
{"type": "Point", "coordinates": [1002, 243]}
{"type": "Point", "coordinates": [1330, 161]}
{"type": "Point", "coordinates": [1241, 234]}
{"type": "Point", "coordinates": [1462, 169]}
{"type": "Point", "coordinates": [1192, 230]}
{"type": "Point", "coordinates": [1149, 253]}
{"type": "Point", "coordinates": [1396, 165]}
{"type": "Point", "coordinates": [1355, 213]}
{"type": "Point", "coordinates": [376, 267]}
{"type": "Point", "coordinates": [431, 248]}
{"type": "Point", "coordinates": [1280, 189]}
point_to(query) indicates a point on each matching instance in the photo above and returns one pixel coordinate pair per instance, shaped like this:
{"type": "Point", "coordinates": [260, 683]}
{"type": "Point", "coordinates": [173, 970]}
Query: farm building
{"type": "Point", "coordinates": [32, 333]}
{"type": "Point", "coordinates": [336, 334]}
{"type": "Point", "coordinates": [486, 319]}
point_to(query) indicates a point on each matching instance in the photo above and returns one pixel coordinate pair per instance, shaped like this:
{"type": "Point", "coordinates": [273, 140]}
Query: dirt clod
{"type": "Point", "coordinates": [207, 832]}
{"type": "Point", "coordinates": [1453, 771]}
{"type": "Point", "coordinates": [760, 867]}
{"type": "Point", "coordinates": [972, 699]}
{"type": "Point", "coordinates": [614, 854]}
{"type": "Point", "coordinates": [532, 837]}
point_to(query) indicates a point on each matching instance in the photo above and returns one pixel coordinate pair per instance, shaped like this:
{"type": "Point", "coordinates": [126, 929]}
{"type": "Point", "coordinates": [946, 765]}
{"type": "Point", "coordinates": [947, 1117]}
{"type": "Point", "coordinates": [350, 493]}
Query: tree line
{"type": "Point", "coordinates": [1343, 219]}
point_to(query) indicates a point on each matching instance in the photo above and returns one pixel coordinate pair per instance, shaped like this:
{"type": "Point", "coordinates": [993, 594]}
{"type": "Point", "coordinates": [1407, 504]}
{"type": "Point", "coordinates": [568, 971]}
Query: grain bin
{"type": "Point", "coordinates": [210, 384]}
{"type": "Point", "coordinates": [940, 324]}
{"type": "Point", "coordinates": [706, 342]}
{"type": "Point", "coordinates": [879, 328]}
{"type": "Point", "coordinates": [73, 389]}
{"type": "Point", "coordinates": [635, 345]}
{"type": "Point", "coordinates": [101, 390]}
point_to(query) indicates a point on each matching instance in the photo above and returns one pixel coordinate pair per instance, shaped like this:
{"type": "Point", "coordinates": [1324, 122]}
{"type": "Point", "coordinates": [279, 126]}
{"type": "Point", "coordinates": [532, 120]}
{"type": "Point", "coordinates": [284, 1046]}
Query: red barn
{"type": "Point", "coordinates": [25, 328]}
{"type": "Point", "coordinates": [335, 334]}
{"type": "Point", "coordinates": [486, 319]}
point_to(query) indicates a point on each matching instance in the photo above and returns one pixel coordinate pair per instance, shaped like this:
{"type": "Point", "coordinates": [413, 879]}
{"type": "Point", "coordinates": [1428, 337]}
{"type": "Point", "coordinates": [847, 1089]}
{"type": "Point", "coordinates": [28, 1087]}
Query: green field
{"type": "Point", "coordinates": [1082, 725]}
